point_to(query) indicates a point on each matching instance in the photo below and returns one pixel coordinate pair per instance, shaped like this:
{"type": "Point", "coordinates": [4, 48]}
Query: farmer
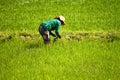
{"type": "Point", "coordinates": [47, 27]}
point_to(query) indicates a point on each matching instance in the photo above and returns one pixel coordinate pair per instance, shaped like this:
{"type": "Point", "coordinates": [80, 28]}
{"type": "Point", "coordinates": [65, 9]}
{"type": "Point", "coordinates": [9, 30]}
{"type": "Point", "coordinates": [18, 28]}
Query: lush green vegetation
{"type": "Point", "coordinates": [79, 14]}
{"type": "Point", "coordinates": [89, 48]}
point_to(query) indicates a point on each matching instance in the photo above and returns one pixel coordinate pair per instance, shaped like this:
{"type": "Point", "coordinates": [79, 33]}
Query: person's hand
{"type": "Point", "coordinates": [55, 39]}
{"type": "Point", "coordinates": [59, 36]}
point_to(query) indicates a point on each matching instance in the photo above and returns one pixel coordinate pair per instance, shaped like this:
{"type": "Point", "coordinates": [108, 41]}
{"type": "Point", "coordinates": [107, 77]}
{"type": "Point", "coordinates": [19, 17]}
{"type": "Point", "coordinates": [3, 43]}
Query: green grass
{"type": "Point", "coordinates": [89, 48]}
{"type": "Point", "coordinates": [87, 60]}
{"type": "Point", "coordinates": [80, 15]}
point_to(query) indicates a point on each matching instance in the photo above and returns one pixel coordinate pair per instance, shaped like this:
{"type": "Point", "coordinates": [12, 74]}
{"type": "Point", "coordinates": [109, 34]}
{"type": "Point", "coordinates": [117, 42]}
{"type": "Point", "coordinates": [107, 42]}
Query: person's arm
{"type": "Point", "coordinates": [57, 33]}
{"type": "Point", "coordinates": [57, 30]}
{"type": "Point", "coordinates": [52, 34]}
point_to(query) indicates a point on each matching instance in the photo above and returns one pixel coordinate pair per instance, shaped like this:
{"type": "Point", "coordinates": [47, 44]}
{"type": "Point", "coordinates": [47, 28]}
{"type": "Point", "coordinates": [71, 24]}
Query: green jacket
{"type": "Point", "coordinates": [51, 25]}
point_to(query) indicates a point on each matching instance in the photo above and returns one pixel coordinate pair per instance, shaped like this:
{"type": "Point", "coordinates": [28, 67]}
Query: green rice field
{"type": "Point", "coordinates": [88, 50]}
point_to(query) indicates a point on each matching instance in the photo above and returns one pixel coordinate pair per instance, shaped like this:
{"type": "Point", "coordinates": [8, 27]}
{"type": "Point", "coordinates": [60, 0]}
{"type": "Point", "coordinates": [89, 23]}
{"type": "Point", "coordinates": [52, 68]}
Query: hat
{"type": "Point", "coordinates": [62, 18]}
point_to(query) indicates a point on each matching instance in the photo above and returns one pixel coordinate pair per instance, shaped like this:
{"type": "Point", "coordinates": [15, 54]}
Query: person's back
{"type": "Point", "coordinates": [50, 25]}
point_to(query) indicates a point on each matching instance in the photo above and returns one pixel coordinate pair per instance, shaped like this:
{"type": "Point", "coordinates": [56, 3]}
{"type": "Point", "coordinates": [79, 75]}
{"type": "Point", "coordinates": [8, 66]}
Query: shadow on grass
{"type": "Point", "coordinates": [34, 45]}
{"type": "Point", "coordinates": [29, 46]}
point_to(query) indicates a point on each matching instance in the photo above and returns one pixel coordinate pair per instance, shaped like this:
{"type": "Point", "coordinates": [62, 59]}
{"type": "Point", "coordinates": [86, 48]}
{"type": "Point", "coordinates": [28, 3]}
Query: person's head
{"type": "Point", "coordinates": [61, 19]}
